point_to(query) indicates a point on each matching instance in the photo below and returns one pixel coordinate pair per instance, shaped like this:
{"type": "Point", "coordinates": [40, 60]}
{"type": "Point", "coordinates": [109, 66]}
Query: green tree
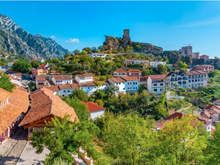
{"type": "Point", "coordinates": [79, 107]}
{"type": "Point", "coordinates": [67, 55]}
{"type": "Point", "coordinates": [128, 138]}
{"type": "Point", "coordinates": [180, 142]}
{"type": "Point", "coordinates": [5, 83]}
{"type": "Point", "coordinates": [161, 69]}
{"type": "Point", "coordinates": [88, 50]}
{"type": "Point", "coordinates": [35, 64]}
{"type": "Point", "coordinates": [79, 94]}
{"type": "Point", "coordinates": [76, 52]}
{"type": "Point", "coordinates": [84, 52]}
{"type": "Point", "coordinates": [21, 66]}
{"type": "Point", "coordinates": [60, 137]}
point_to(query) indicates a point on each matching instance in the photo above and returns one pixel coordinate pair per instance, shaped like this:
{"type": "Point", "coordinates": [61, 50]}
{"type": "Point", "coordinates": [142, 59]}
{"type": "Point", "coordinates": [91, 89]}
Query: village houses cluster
{"type": "Point", "coordinates": [30, 111]}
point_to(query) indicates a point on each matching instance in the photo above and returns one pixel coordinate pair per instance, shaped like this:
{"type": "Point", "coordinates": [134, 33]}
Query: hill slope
{"type": "Point", "coordinates": [14, 39]}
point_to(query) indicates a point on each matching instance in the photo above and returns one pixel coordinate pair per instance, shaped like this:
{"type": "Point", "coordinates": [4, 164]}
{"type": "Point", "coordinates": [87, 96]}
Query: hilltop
{"type": "Point", "coordinates": [15, 40]}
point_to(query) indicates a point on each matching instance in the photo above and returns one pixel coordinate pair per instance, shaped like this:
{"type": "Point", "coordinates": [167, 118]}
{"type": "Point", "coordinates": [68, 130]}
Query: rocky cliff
{"type": "Point", "coordinates": [115, 43]}
{"type": "Point", "coordinates": [14, 39]}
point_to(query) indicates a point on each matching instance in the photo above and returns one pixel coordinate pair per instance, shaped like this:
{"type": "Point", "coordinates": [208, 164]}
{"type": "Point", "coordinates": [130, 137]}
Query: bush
{"type": "Point", "coordinates": [100, 102]}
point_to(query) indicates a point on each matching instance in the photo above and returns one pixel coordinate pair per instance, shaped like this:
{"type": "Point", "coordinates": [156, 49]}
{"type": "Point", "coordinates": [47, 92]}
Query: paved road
{"type": "Point", "coordinates": [29, 157]}
{"type": "Point", "coordinates": [14, 147]}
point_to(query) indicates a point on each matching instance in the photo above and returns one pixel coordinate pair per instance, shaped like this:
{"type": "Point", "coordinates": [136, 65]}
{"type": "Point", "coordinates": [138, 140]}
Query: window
{"type": "Point", "coordinates": [68, 91]}
{"type": "Point", "coordinates": [161, 90]}
{"type": "Point", "coordinates": [64, 91]}
{"type": "Point", "coordinates": [123, 88]}
{"type": "Point", "coordinates": [161, 84]}
{"type": "Point", "coordinates": [155, 84]}
{"type": "Point", "coordinates": [189, 80]}
{"type": "Point", "coordinates": [155, 90]}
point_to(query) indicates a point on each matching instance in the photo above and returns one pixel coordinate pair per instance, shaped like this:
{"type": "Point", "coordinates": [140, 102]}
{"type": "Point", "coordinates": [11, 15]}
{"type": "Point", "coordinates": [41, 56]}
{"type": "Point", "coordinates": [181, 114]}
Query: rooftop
{"type": "Point", "coordinates": [120, 70]}
{"type": "Point", "coordinates": [130, 78]}
{"type": "Point", "coordinates": [44, 104]}
{"type": "Point", "coordinates": [40, 78]}
{"type": "Point", "coordinates": [158, 77]}
{"type": "Point", "coordinates": [93, 107]}
{"type": "Point", "coordinates": [18, 102]}
{"type": "Point", "coordinates": [84, 75]}
{"type": "Point", "coordinates": [117, 80]}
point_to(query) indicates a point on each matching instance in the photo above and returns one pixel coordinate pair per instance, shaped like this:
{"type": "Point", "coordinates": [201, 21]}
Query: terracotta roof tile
{"type": "Point", "coordinates": [134, 70]}
{"type": "Point", "coordinates": [216, 101]}
{"type": "Point", "coordinates": [120, 71]}
{"type": "Point", "coordinates": [18, 102]}
{"type": "Point", "coordinates": [17, 74]}
{"type": "Point", "coordinates": [40, 78]}
{"type": "Point", "coordinates": [53, 88]}
{"type": "Point", "coordinates": [58, 77]}
{"type": "Point", "coordinates": [93, 107]}
{"type": "Point", "coordinates": [85, 75]}
{"type": "Point", "coordinates": [130, 78]}
{"type": "Point", "coordinates": [86, 84]}
{"type": "Point", "coordinates": [117, 80]}
{"type": "Point", "coordinates": [44, 103]}
{"type": "Point", "coordinates": [158, 77]}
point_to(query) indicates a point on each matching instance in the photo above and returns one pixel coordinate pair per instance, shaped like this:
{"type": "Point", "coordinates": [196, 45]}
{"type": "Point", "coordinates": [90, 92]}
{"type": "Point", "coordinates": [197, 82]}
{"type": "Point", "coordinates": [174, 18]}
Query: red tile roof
{"type": "Point", "coordinates": [43, 65]}
{"type": "Point", "coordinates": [17, 74]}
{"type": "Point", "coordinates": [18, 102]}
{"type": "Point", "coordinates": [86, 84]}
{"type": "Point", "coordinates": [53, 88]}
{"type": "Point", "coordinates": [130, 78]}
{"type": "Point", "coordinates": [58, 77]}
{"type": "Point", "coordinates": [93, 107]}
{"type": "Point", "coordinates": [120, 70]}
{"type": "Point", "coordinates": [40, 78]}
{"type": "Point", "coordinates": [44, 104]}
{"type": "Point", "coordinates": [117, 80]}
{"type": "Point", "coordinates": [84, 75]}
{"type": "Point", "coordinates": [203, 56]}
{"type": "Point", "coordinates": [216, 101]}
{"type": "Point", "coordinates": [158, 77]}
{"type": "Point", "coordinates": [134, 70]}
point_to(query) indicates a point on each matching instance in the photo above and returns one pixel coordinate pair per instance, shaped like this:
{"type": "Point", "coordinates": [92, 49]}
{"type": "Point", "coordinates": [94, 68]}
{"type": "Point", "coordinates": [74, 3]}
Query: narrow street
{"type": "Point", "coordinates": [12, 148]}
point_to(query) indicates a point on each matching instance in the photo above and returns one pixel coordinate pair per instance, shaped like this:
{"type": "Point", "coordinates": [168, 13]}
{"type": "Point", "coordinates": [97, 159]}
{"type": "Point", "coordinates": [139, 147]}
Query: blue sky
{"type": "Point", "coordinates": [76, 25]}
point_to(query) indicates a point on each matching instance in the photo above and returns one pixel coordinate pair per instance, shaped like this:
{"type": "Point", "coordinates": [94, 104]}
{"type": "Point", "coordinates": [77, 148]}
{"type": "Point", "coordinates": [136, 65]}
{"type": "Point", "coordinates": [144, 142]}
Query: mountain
{"type": "Point", "coordinates": [15, 40]}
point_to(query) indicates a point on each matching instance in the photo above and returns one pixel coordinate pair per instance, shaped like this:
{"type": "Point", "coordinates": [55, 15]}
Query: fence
{"type": "Point", "coordinates": [175, 97]}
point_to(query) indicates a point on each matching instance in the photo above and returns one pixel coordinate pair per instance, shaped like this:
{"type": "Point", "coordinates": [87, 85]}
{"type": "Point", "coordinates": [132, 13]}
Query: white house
{"type": "Point", "coordinates": [90, 87]}
{"type": "Point", "coordinates": [154, 64]}
{"type": "Point", "coordinates": [192, 79]}
{"type": "Point", "coordinates": [10, 64]}
{"type": "Point", "coordinates": [131, 84]}
{"type": "Point", "coordinates": [134, 72]}
{"type": "Point", "coordinates": [59, 80]}
{"type": "Point", "coordinates": [136, 61]}
{"type": "Point", "coordinates": [156, 83]}
{"type": "Point", "coordinates": [94, 109]}
{"type": "Point", "coordinates": [41, 82]}
{"type": "Point", "coordinates": [95, 55]}
{"type": "Point", "coordinates": [66, 90]}
{"type": "Point", "coordinates": [83, 78]}
{"type": "Point", "coordinates": [119, 73]}
{"type": "Point", "coordinates": [119, 82]}
{"type": "Point", "coordinates": [16, 76]}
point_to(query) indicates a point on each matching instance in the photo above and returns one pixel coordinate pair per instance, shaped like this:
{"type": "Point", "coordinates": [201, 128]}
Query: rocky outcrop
{"type": "Point", "coordinates": [115, 43]}
{"type": "Point", "coordinates": [14, 39]}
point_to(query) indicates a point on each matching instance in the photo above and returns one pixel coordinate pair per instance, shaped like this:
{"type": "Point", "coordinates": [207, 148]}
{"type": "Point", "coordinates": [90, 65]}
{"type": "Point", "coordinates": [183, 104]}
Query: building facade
{"type": "Point", "coordinates": [156, 84]}
{"type": "Point", "coordinates": [95, 55]}
{"type": "Point", "coordinates": [154, 64]}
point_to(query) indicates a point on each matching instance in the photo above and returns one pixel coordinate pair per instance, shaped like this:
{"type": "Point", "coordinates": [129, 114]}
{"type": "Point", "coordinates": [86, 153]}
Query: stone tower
{"type": "Point", "coordinates": [126, 35]}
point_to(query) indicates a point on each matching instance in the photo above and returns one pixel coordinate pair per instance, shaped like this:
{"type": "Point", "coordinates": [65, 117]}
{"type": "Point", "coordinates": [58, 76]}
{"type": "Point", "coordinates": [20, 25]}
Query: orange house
{"type": "Point", "coordinates": [44, 106]}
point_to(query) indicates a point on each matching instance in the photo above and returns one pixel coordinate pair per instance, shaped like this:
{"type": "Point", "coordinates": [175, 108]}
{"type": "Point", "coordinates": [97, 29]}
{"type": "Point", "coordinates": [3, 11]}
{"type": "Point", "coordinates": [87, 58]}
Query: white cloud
{"type": "Point", "coordinates": [73, 40]}
{"type": "Point", "coordinates": [212, 21]}
{"type": "Point", "coordinates": [53, 37]}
